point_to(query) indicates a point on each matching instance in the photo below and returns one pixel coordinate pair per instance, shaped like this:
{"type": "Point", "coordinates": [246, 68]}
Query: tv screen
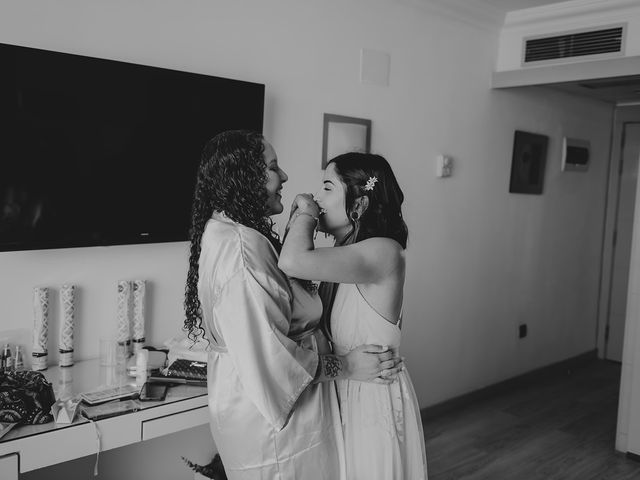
{"type": "Point", "coordinates": [100, 152]}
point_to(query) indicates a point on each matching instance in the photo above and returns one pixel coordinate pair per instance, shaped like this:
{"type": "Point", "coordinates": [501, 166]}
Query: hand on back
{"type": "Point", "coordinates": [373, 363]}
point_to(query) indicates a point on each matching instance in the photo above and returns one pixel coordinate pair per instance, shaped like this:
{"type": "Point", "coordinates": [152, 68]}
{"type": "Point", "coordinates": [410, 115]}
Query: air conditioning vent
{"type": "Point", "coordinates": [578, 44]}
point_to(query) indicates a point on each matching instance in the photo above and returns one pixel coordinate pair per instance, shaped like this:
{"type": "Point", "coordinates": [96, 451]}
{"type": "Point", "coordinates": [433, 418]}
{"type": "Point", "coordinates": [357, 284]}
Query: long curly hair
{"type": "Point", "coordinates": [232, 179]}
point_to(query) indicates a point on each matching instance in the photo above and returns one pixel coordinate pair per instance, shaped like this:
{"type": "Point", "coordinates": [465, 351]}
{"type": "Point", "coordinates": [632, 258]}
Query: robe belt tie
{"type": "Point", "coordinates": [302, 335]}
{"type": "Point", "coordinates": [218, 348]}
{"type": "Point", "coordinates": [296, 338]}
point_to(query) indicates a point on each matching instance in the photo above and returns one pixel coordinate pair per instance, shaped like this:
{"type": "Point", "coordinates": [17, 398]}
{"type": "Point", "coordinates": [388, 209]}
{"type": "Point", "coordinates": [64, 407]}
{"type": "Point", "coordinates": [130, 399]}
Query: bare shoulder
{"type": "Point", "coordinates": [384, 251]}
{"type": "Point", "coordinates": [382, 245]}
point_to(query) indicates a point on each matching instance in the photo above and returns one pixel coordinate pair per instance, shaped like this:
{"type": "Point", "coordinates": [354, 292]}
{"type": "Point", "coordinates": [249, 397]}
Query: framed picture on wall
{"type": "Point", "coordinates": [528, 162]}
{"type": "Point", "coordinates": [342, 134]}
{"type": "Point", "coordinates": [575, 155]}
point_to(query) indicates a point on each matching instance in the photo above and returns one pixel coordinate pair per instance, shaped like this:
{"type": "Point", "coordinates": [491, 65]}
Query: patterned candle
{"type": "Point", "coordinates": [124, 314]}
{"type": "Point", "coordinates": [67, 311]}
{"type": "Point", "coordinates": [139, 290]}
{"type": "Point", "coordinates": [40, 328]}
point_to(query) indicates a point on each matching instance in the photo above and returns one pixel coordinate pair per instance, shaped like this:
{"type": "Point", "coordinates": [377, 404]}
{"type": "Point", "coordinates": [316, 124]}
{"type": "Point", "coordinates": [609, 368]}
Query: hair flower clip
{"type": "Point", "coordinates": [370, 183]}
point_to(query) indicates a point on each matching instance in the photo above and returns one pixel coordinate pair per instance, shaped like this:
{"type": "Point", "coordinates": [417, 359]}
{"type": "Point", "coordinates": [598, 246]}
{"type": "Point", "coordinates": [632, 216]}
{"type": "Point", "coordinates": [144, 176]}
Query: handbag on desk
{"type": "Point", "coordinates": [25, 398]}
{"type": "Point", "coordinates": [189, 369]}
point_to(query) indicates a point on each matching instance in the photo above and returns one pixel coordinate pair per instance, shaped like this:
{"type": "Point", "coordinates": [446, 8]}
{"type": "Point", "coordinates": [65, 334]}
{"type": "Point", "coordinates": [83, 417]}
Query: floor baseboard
{"type": "Point", "coordinates": [560, 368]}
{"type": "Point", "coordinates": [633, 456]}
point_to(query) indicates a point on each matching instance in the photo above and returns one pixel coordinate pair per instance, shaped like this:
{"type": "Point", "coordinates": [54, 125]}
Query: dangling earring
{"type": "Point", "coordinates": [355, 217]}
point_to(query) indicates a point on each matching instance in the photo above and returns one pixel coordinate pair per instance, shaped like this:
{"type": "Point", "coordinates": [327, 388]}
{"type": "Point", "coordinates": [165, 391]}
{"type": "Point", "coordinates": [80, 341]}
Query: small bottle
{"type": "Point", "coordinates": [7, 358]}
{"type": "Point", "coordinates": [142, 358]}
{"type": "Point", "coordinates": [18, 362]}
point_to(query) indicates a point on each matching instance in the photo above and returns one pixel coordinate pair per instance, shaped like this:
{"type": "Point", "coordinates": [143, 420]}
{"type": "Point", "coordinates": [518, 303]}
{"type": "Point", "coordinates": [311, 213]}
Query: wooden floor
{"type": "Point", "coordinates": [558, 427]}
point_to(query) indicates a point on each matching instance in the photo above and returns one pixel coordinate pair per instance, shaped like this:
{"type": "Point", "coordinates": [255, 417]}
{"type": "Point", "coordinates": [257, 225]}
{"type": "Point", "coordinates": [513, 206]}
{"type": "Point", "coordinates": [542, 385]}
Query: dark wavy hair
{"type": "Point", "coordinates": [231, 179]}
{"type": "Point", "coordinates": [383, 217]}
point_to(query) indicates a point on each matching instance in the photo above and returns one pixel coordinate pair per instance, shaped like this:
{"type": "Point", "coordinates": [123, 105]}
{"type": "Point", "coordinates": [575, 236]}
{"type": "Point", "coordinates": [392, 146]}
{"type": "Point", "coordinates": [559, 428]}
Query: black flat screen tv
{"type": "Point", "coordinates": [101, 152]}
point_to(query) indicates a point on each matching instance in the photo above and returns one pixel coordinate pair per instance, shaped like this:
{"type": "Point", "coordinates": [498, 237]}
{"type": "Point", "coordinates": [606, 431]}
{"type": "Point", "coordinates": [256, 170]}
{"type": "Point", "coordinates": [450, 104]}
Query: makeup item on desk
{"type": "Point", "coordinates": [107, 394]}
{"type": "Point", "coordinates": [40, 328]}
{"type": "Point", "coordinates": [65, 338]}
{"type": "Point", "coordinates": [156, 361]}
{"type": "Point", "coordinates": [110, 409]}
{"type": "Point", "coordinates": [153, 392]}
{"type": "Point", "coordinates": [7, 359]}
{"type": "Point", "coordinates": [176, 381]}
{"type": "Point", "coordinates": [184, 368]}
{"type": "Point", "coordinates": [132, 370]}
{"type": "Point", "coordinates": [18, 361]}
{"type": "Point", "coordinates": [142, 360]}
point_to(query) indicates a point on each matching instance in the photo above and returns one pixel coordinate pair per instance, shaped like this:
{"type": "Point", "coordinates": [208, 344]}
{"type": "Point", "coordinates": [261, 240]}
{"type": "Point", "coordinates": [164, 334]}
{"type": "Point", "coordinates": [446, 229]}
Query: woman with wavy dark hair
{"type": "Point", "coordinates": [274, 414]}
{"type": "Point", "coordinates": [362, 291]}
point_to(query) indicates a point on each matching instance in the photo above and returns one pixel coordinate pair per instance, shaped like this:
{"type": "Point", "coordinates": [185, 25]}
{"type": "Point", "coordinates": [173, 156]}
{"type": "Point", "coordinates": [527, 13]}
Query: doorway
{"type": "Point", "coordinates": [623, 179]}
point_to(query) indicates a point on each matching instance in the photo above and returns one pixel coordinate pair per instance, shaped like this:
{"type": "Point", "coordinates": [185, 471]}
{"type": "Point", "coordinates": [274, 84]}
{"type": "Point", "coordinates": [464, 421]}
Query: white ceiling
{"type": "Point", "coordinates": [509, 5]}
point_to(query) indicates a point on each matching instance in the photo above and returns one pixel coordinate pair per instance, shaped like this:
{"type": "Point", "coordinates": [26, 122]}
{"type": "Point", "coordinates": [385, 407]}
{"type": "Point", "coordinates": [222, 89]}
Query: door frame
{"type": "Point", "coordinates": [622, 115]}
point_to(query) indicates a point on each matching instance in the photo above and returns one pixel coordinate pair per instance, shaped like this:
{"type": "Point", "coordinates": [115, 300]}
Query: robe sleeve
{"type": "Point", "coordinates": [253, 316]}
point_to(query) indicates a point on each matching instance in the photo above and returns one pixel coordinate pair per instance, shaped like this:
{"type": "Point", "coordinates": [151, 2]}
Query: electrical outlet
{"type": "Point", "coordinates": [522, 330]}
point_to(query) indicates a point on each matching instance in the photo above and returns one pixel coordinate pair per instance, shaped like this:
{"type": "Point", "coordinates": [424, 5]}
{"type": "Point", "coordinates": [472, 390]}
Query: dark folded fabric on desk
{"type": "Point", "coordinates": [188, 369]}
{"type": "Point", "coordinates": [25, 398]}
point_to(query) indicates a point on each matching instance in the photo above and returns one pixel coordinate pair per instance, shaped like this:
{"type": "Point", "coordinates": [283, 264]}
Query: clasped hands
{"type": "Point", "coordinates": [373, 363]}
{"type": "Point", "coordinates": [303, 204]}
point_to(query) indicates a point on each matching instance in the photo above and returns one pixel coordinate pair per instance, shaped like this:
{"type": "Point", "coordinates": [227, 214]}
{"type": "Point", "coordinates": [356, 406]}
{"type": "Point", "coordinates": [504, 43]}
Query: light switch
{"type": "Point", "coordinates": [444, 166]}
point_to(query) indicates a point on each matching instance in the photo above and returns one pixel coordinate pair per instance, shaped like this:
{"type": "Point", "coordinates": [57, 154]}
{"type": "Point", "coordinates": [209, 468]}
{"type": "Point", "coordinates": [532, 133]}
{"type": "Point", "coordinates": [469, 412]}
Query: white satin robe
{"type": "Point", "coordinates": [267, 419]}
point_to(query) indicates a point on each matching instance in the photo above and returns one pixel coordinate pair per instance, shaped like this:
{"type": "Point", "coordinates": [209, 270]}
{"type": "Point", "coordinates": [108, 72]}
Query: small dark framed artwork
{"type": "Point", "coordinates": [528, 162]}
{"type": "Point", "coordinates": [575, 155]}
{"type": "Point", "coordinates": [342, 134]}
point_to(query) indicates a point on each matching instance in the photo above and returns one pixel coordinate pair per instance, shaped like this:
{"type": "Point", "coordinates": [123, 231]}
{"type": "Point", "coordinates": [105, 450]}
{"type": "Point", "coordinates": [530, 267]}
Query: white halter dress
{"type": "Point", "coordinates": [381, 423]}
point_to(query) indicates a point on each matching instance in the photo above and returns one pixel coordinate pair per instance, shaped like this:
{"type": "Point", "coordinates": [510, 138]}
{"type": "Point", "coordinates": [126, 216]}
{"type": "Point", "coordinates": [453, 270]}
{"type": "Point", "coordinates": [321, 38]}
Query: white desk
{"type": "Point", "coordinates": [35, 446]}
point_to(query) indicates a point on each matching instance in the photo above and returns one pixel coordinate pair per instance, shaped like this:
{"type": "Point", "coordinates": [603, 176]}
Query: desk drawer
{"type": "Point", "coordinates": [55, 446]}
{"type": "Point", "coordinates": [9, 467]}
{"type": "Point", "coordinates": [174, 422]}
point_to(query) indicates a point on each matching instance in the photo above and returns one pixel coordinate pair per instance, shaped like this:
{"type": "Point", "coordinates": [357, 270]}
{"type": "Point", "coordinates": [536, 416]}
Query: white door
{"type": "Point", "coordinates": [617, 307]}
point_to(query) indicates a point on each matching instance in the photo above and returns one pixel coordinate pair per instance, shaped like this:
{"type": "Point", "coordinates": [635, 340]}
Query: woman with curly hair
{"type": "Point", "coordinates": [274, 412]}
{"type": "Point", "coordinates": [362, 291]}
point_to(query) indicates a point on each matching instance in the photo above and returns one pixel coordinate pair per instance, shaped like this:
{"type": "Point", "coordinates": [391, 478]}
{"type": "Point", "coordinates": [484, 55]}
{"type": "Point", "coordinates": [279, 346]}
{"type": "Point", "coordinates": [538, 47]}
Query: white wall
{"type": "Point", "coordinates": [480, 260]}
